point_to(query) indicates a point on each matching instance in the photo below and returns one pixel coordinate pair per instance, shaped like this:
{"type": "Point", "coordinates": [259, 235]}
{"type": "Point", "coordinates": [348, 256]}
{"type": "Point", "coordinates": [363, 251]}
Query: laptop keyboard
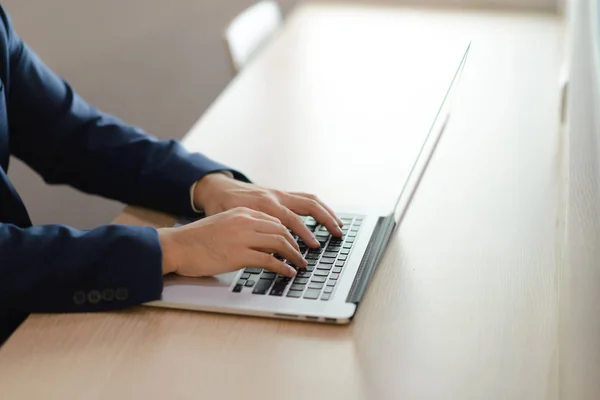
{"type": "Point", "coordinates": [318, 280]}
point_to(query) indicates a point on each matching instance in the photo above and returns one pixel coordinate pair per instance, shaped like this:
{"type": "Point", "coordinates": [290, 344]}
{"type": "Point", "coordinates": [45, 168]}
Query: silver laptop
{"type": "Point", "coordinates": [339, 272]}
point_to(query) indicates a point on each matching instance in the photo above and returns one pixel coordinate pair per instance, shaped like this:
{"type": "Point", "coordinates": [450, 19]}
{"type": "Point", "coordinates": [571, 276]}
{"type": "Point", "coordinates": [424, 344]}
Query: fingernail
{"type": "Point", "coordinates": [292, 271]}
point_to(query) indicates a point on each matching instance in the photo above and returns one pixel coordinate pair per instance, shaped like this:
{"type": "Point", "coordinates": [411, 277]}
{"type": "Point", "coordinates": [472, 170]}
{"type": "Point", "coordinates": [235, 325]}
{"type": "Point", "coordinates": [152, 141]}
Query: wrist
{"type": "Point", "coordinates": [169, 263]}
{"type": "Point", "coordinates": [202, 188]}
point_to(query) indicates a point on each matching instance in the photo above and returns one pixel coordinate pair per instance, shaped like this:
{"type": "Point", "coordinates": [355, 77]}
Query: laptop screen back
{"type": "Point", "coordinates": [429, 144]}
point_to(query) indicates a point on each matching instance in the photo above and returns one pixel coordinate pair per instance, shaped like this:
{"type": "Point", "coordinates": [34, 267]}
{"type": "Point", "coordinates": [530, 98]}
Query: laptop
{"type": "Point", "coordinates": [338, 274]}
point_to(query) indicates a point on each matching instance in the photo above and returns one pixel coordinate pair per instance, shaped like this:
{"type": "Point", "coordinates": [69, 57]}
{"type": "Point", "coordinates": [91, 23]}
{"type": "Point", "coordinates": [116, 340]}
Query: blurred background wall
{"type": "Point", "coordinates": [155, 64]}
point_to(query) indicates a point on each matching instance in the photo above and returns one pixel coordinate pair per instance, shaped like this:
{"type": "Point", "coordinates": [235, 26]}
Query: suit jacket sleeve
{"type": "Point", "coordinates": [59, 269]}
{"type": "Point", "coordinates": [67, 141]}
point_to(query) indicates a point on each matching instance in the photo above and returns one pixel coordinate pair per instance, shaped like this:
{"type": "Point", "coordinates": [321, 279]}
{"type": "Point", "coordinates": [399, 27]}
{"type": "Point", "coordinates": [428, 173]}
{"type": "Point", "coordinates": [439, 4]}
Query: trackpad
{"type": "Point", "coordinates": [223, 280]}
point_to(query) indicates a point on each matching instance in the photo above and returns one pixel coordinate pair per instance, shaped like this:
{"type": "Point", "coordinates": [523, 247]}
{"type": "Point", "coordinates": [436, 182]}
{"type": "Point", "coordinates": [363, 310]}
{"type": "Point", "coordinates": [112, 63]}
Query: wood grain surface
{"type": "Point", "coordinates": [465, 302]}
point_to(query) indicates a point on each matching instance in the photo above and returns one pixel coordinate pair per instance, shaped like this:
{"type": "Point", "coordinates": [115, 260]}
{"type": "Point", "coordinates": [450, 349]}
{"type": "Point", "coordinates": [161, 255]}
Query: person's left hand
{"type": "Point", "coordinates": [216, 193]}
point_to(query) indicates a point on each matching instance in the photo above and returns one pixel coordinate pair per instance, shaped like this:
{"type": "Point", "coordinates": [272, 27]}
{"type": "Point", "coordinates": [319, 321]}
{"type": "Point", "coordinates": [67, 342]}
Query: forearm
{"type": "Point", "coordinates": [59, 269]}
{"type": "Point", "coordinates": [67, 141]}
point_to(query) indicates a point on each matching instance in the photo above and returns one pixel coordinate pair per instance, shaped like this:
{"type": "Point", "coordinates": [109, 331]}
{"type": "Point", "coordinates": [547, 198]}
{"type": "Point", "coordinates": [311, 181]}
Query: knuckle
{"type": "Point", "coordinates": [240, 210]}
{"type": "Point", "coordinates": [242, 216]}
{"type": "Point", "coordinates": [267, 199]}
{"type": "Point", "coordinates": [282, 241]}
{"type": "Point", "coordinates": [284, 232]}
{"type": "Point", "coordinates": [313, 205]}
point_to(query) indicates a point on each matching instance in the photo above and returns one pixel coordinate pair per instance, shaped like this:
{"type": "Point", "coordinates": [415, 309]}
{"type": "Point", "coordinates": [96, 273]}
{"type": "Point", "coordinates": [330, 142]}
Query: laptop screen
{"type": "Point", "coordinates": [429, 144]}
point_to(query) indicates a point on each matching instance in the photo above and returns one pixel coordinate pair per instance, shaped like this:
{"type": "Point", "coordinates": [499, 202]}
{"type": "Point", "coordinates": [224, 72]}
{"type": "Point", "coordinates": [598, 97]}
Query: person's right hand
{"type": "Point", "coordinates": [227, 242]}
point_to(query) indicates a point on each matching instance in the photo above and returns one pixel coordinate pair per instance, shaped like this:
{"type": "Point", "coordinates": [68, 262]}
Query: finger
{"type": "Point", "coordinates": [269, 227]}
{"type": "Point", "coordinates": [325, 206]}
{"type": "Point", "coordinates": [274, 243]}
{"type": "Point", "coordinates": [295, 223]}
{"type": "Point", "coordinates": [306, 206]}
{"type": "Point", "coordinates": [257, 259]}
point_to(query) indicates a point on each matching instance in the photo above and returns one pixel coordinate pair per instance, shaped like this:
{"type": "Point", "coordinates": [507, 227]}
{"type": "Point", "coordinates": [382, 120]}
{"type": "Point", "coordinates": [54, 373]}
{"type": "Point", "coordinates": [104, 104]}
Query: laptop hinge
{"type": "Point", "coordinates": [373, 253]}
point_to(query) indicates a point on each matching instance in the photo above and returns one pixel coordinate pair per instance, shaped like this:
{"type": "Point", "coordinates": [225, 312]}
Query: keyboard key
{"type": "Point", "coordinates": [325, 296]}
{"type": "Point", "coordinates": [345, 251]}
{"type": "Point", "coordinates": [249, 283]}
{"type": "Point", "coordinates": [328, 289]}
{"type": "Point", "coordinates": [312, 263]}
{"type": "Point", "coordinates": [333, 249]}
{"type": "Point", "coordinates": [310, 268]}
{"type": "Point", "coordinates": [352, 234]}
{"type": "Point", "coordinates": [301, 281]}
{"type": "Point", "coordinates": [337, 270]}
{"type": "Point", "coordinates": [323, 228]}
{"type": "Point", "coordinates": [340, 263]}
{"type": "Point", "coordinates": [312, 294]}
{"type": "Point", "coordinates": [267, 275]}
{"type": "Point", "coordinates": [309, 221]}
{"type": "Point", "coordinates": [334, 276]}
{"type": "Point", "coordinates": [320, 272]}
{"type": "Point", "coordinates": [303, 273]}
{"type": "Point", "coordinates": [298, 286]}
{"type": "Point", "coordinates": [238, 288]}
{"type": "Point", "coordinates": [330, 254]}
{"type": "Point", "coordinates": [253, 270]}
{"type": "Point", "coordinates": [350, 240]}
{"type": "Point", "coordinates": [320, 279]}
{"type": "Point", "coordinates": [295, 294]}
{"type": "Point", "coordinates": [315, 285]}
{"type": "Point", "coordinates": [354, 229]}
{"type": "Point", "coordinates": [262, 286]}
{"type": "Point", "coordinates": [347, 220]}
{"type": "Point", "coordinates": [324, 267]}
{"type": "Point", "coordinates": [348, 245]}
{"type": "Point", "coordinates": [245, 276]}
{"type": "Point", "coordinates": [335, 241]}
{"type": "Point", "coordinates": [326, 260]}
{"type": "Point", "coordinates": [312, 256]}
{"type": "Point", "coordinates": [279, 286]}
{"type": "Point", "coordinates": [331, 282]}
{"type": "Point", "coordinates": [277, 291]}
{"type": "Point", "coordinates": [343, 257]}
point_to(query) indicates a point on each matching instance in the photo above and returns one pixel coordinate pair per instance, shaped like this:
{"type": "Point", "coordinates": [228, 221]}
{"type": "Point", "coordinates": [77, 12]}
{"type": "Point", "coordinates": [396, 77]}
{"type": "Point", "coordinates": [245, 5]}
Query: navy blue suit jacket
{"type": "Point", "coordinates": [56, 268]}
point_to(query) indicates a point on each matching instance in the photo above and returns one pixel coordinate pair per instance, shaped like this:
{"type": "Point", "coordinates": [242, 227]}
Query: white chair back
{"type": "Point", "coordinates": [250, 30]}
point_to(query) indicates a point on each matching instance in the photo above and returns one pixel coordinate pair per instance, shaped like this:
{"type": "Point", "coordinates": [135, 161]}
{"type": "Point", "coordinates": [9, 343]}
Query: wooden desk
{"type": "Point", "coordinates": [464, 305]}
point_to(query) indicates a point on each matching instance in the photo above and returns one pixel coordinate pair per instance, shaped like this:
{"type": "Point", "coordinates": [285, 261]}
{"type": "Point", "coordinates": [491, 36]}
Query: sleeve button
{"type": "Point", "coordinates": [122, 294]}
{"type": "Point", "coordinates": [108, 295]}
{"type": "Point", "coordinates": [94, 296]}
{"type": "Point", "coordinates": [79, 297]}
